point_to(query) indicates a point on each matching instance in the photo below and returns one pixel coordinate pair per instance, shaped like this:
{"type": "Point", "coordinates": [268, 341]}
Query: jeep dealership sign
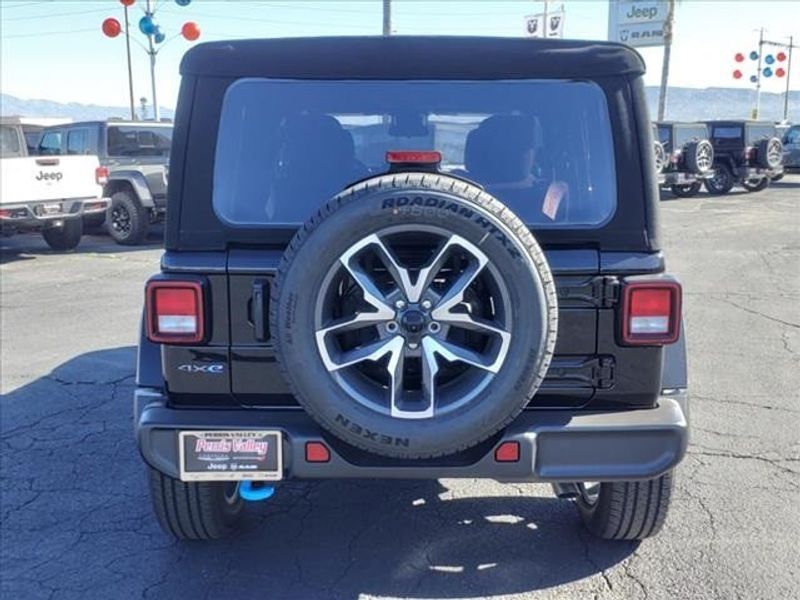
{"type": "Point", "coordinates": [637, 22]}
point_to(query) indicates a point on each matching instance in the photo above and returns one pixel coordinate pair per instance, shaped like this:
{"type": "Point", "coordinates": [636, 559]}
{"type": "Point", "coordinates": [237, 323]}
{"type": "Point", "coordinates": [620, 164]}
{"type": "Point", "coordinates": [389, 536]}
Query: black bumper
{"type": "Point", "coordinates": [554, 445]}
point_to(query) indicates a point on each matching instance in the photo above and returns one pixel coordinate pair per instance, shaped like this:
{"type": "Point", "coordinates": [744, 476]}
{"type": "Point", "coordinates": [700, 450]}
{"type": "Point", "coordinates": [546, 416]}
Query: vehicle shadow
{"type": "Point", "coordinates": [77, 516]}
{"type": "Point", "coordinates": [31, 245]}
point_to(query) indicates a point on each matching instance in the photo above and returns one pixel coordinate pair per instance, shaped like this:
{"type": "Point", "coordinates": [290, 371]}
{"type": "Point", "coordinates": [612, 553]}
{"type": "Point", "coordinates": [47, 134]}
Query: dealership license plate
{"type": "Point", "coordinates": [230, 455]}
{"type": "Point", "coordinates": [52, 208]}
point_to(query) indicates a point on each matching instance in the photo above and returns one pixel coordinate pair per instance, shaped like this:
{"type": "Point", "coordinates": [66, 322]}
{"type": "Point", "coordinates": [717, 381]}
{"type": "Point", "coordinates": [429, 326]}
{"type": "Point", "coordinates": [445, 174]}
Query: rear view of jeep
{"type": "Point", "coordinates": [384, 260]}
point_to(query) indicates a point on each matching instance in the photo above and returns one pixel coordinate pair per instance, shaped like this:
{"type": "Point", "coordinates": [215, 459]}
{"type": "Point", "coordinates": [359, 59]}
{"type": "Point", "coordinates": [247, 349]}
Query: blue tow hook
{"type": "Point", "coordinates": [255, 491]}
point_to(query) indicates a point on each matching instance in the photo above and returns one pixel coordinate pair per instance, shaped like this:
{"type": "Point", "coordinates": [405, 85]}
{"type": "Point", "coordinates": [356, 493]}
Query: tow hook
{"type": "Point", "coordinates": [255, 491]}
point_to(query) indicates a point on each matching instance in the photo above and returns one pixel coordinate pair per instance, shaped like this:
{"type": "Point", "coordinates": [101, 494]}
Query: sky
{"type": "Point", "coordinates": [55, 50]}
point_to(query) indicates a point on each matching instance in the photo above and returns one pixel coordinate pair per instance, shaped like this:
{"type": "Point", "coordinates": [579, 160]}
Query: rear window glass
{"type": "Point", "coordinates": [544, 148]}
{"type": "Point", "coordinates": [9, 142]}
{"type": "Point", "coordinates": [728, 133]}
{"type": "Point", "coordinates": [664, 134]}
{"type": "Point", "coordinates": [139, 141]}
{"type": "Point", "coordinates": [684, 135]}
{"type": "Point", "coordinates": [759, 132]}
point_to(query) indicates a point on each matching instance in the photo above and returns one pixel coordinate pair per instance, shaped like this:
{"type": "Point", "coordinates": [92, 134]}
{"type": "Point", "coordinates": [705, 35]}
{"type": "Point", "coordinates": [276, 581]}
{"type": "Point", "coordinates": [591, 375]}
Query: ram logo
{"type": "Point", "coordinates": [211, 369]}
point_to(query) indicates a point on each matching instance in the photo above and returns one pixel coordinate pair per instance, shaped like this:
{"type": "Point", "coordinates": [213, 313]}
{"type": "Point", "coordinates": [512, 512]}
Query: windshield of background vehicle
{"type": "Point", "coordinates": [124, 141]}
{"type": "Point", "coordinates": [544, 148]}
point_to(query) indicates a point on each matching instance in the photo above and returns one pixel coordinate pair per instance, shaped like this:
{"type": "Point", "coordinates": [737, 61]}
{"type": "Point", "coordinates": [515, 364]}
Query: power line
{"type": "Point", "coordinates": [55, 15]}
{"type": "Point", "coordinates": [46, 33]}
{"type": "Point", "coordinates": [24, 4]}
{"type": "Point", "coordinates": [274, 21]}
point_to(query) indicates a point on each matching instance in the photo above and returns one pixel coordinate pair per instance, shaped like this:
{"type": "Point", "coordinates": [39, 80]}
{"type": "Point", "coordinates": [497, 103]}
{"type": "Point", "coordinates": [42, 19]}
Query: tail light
{"type": "Point", "coordinates": [175, 312]}
{"type": "Point", "coordinates": [750, 153]}
{"type": "Point", "coordinates": [101, 175]}
{"type": "Point", "coordinates": [651, 312]}
{"type": "Point", "coordinates": [676, 156]}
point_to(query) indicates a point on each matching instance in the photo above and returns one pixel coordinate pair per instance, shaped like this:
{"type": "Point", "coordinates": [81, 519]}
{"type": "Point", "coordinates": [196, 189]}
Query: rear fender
{"type": "Point", "coordinates": [133, 179]}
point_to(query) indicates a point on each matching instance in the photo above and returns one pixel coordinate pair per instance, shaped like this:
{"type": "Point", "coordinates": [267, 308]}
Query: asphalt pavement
{"type": "Point", "coordinates": [76, 516]}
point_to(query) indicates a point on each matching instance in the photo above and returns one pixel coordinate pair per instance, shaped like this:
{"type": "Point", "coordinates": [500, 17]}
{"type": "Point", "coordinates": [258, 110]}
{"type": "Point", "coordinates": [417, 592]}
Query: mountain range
{"type": "Point", "coordinates": [683, 104]}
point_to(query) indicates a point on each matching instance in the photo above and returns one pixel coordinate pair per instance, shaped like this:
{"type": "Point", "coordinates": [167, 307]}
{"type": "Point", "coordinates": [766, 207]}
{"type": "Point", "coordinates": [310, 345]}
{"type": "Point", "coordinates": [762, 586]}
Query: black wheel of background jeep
{"type": "Point", "coordinates": [195, 510]}
{"type": "Point", "coordinates": [127, 219]}
{"type": "Point", "coordinates": [66, 237]}
{"type": "Point", "coordinates": [755, 185]}
{"type": "Point", "coordinates": [721, 182]}
{"type": "Point", "coordinates": [687, 191]}
{"type": "Point", "coordinates": [433, 320]}
{"type": "Point", "coordinates": [625, 510]}
{"type": "Point", "coordinates": [777, 177]}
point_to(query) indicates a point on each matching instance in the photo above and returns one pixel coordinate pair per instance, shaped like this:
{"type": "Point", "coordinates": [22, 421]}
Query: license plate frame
{"type": "Point", "coordinates": [230, 455]}
{"type": "Point", "coordinates": [49, 209]}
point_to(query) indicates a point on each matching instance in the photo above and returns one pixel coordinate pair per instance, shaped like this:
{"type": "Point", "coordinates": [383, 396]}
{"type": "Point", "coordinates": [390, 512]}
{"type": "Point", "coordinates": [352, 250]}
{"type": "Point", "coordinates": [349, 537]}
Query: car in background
{"type": "Point", "coordinates": [136, 155]}
{"type": "Point", "coordinates": [659, 156]}
{"type": "Point", "coordinates": [746, 153]}
{"type": "Point", "coordinates": [689, 157]}
{"type": "Point", "coordinates": [791, 149]}
{"type": "Point", "coordinates": [46, 194]}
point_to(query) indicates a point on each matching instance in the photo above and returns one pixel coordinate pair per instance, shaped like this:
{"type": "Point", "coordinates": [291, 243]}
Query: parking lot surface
{"type": "Point", "coordinates": [76, 517]}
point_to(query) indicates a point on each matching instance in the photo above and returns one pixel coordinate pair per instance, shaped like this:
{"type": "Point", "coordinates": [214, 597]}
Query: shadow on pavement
{"type": "Point", "coordinates": [77, 520]}
{"type": "Point", "coordinates": [28, 246]}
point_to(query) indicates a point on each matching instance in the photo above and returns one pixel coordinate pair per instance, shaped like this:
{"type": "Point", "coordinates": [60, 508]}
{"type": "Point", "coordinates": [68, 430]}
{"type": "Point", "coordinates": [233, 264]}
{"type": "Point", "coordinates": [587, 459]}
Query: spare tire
{"type": "Point", "coordinates": [769, 153]}
{"type": "Point", "coordinates": [414, 316]}
{"type": "Point", "coordinates": [699, 156]}
{"type": "Point", "coordinates": [660, 155]}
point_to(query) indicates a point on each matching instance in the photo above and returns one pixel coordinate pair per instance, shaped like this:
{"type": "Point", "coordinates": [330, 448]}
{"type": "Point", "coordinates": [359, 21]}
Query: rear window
{"type": "Point", "coordinates": [9, 142]}
{"type": "Point", "coordinates": [728, 133]}
{"type": "Point", "coordinates": [285, 147]}
{"type": "Point", "coordinates": [124, 141]}
{"type": "Point", "coordinates": [684, 135]}
{"type": "Point", "coordinates": [760, 132]}
{"type": "Point", "coordinates": [664, 135]}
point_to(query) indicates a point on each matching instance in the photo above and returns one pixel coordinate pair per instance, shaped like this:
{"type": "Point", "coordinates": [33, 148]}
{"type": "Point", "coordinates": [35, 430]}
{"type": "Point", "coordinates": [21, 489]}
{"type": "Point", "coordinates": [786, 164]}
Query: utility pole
{"type": "Point", "coordinates": [130, 69]}
{"type": "Point", "coordinates": [151, 51]}
{"type": "Point", "coordinates": [662, 95]}
{"type": "Point", "coordinates": [788, 77]}
{"type": "Point", "coordinates": [387, 17]}
{"type": "Point", "coordinates": [545, 23]}
{"type": "Point", "coordinates": [758, 75]}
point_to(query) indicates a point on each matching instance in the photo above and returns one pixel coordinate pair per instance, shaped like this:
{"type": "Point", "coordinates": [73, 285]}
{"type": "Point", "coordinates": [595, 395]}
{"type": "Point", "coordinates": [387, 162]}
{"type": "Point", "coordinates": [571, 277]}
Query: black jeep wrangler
{"type": "Point", "coordinates": [688, 157]}
{"type": "Point", "coordinates": [386, 261]}
{"type": "Point", "coordinates": [134, 155]}
{"type": "Point", "coordinates": [747, 153]}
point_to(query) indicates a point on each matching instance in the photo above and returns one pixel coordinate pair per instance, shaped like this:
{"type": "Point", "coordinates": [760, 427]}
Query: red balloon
{"type": "Point", "coordinates": [190, 31]}
{"type": "Point", "coordinates": [780, 72]}
{"type": "Point", "coordinates": [781, 56]}
{"type": "Point", "coordinates": [739, 57]}
{"type": "Point", "coordinates": [111, 27]}
{"type": "Point", "coordinates": [737, 74]}
{"type": "Point", "coordinates": [127, 2]}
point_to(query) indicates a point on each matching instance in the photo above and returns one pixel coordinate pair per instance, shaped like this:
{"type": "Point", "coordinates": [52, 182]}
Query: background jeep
{"type": "Point", "coordinates": [689, 156]}
{"type": "Point", "coordinates": [136, 154]}
{"type": "Point", "coordinates": [385, 261]}
{"type": "Point", "coordinates": [747, 153]}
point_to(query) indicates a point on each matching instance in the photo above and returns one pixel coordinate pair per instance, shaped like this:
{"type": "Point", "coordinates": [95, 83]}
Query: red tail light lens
{"type": "Point", "coordinates": [175, 312]}
{"type": "Point", "coordinates": [317, 452]}
{"type": "Point", "coordinates": [420, 157]}
{"type": "Point", "coordinates": [651, 313]}
{"type": "Point", "coordinates": [507, 452]}
{"type": "Point", "coordinates": [101, 175]}
{"type": "Point", "coordinates": [750, 153]}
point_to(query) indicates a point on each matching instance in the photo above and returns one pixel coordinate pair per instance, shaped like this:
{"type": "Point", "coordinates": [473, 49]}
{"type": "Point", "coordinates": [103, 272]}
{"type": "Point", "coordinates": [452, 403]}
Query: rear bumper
{"type": "Point", "coordinates": [555, 446]}
{"type": "Point", "coordinates": [757, 172]}
{"type": "Point", "coordinates": [683, 178]}
{"type": "Point", "coordinates": [34, 215]}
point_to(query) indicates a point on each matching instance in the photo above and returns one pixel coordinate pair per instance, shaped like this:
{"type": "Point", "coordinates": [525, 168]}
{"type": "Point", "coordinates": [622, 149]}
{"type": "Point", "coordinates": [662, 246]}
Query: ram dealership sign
{"type": "Point", "coordinates": [545, 25]}
{"type": "Point", "coordinates": [637, 22]}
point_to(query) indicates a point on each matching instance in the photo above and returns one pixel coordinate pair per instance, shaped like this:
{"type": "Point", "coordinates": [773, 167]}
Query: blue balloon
{"type": "Point", "coordinates": [767, 72]}
{"type": "Point", "coordinates": [754, 55]}
{"type": "Point", "coordinates": [753, 79]}
{"type": "Point", "coordinates": [769, 59]}
{"type": "Point", "coordinates": [146, 25]}
{"type": "Point", "coordinates": [160, 37]}
{"type": "Point", "coordinates": [183, 2]}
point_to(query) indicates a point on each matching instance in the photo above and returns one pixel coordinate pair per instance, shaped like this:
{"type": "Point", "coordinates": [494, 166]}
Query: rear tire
{"type": "Point", "coordinates": [627, 510]}
{"type": "Point", "coordinates": [127, 219]}
{"type": "Point", "coordinates": [687, 191]}
{"type": "Point", "coordinates": [194, 510]}
{"type": "Point", "coordinates": [721, 182]}
{"type": "Point", "coordinates": [756, 187]}
{"type": "Point", "coordinates": [66, 237]}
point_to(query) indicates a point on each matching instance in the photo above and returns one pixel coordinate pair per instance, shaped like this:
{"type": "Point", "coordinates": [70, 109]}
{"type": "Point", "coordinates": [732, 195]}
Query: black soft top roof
{"type": "Point", "coordinates": [411, 57]}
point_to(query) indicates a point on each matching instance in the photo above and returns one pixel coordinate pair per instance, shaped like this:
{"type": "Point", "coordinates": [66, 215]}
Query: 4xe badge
{"type": "Point", "coordinates": [210, 369]}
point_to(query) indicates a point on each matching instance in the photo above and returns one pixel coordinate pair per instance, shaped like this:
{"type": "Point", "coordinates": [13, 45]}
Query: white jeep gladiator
{"type": "Point", "coordinates": [46, 193]}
